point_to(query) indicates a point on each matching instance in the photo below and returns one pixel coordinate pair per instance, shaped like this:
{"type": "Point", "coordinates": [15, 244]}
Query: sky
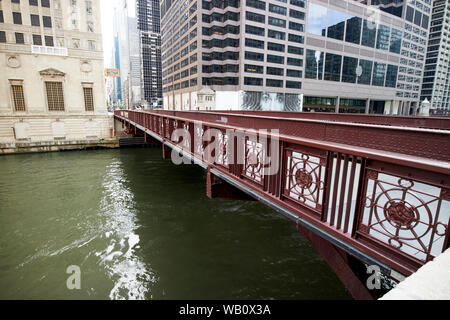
{"type": "Point", "coordinates": [107, 13]}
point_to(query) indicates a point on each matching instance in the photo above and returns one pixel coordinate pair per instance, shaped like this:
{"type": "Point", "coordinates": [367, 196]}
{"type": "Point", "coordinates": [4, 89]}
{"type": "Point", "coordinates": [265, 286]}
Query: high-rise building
{"type": "Point", "coordinates": [436, 80]}
{"type": "Point", "coordinates": [148, 24]}
{"type": "Point", "coordinates": [330, 55]}
{"type": "Point", "coordinates": [135, 82]}
{"type": "Point", "coordinates": [127, 54]}
{"type": "Point", "coordinates": [51, 81]}
{"type": "Point", "coordinates": [118, 93]}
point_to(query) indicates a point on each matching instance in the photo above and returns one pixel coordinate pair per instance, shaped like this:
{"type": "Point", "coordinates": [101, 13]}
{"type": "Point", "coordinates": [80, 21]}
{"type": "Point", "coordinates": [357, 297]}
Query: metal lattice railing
{"type": "Point", "coordinates": [394, 206]}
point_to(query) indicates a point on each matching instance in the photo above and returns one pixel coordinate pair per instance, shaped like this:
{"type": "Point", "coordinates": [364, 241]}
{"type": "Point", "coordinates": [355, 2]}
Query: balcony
{"type": "Point", "coordinates": [54, 51]}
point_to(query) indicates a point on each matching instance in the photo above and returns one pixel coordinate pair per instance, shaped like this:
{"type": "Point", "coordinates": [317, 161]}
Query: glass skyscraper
{"type": "Point", "coordinates": [435, 86]}
{"type": "Point", "coordinates": [148, 24]}
{"type": "Point", "coordinates": [325, 56]}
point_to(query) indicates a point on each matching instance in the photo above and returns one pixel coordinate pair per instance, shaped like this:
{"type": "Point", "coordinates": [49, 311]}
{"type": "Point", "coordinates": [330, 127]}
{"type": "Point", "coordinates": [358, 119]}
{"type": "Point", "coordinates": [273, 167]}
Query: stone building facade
{"type": "Point", "coordinates": [51, 81]}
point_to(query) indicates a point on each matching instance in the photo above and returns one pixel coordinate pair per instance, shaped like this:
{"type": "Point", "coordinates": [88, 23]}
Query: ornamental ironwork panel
{"type": "Point", "coordinates": [167, 129]}
{"type": "Point", "coordinates": [305, 178]}
{"type": "Point", "coordinates": [405, 215]}
{"type": "Point", "coordinates": [254, 161]}
{"type": "Point", "coordinates": [199, 146]}
{"type": "Point", "coordinates": [222, 152]}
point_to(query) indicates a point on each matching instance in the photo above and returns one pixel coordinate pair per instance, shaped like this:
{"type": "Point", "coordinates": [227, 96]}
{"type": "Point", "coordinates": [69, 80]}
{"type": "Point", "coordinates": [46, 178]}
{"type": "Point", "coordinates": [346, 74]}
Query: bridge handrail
{"type": "Point", "coordinates": [439, 166]}
{"type": "Point", "coordinates": [439, 123]}
{"type": "Point", "coordinates": [370, 198]}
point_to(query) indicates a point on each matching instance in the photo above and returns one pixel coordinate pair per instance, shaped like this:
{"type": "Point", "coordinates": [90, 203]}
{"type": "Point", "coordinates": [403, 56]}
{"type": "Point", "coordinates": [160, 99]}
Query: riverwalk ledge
{"type": "Point", "coordinates": [431, 282]}
{"type": "Point", "coordinates": [53, 146]}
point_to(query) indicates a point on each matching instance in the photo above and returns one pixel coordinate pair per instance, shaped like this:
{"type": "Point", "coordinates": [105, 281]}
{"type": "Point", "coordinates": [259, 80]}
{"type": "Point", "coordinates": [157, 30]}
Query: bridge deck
{"type": "Point", "coordinates": [376, 187]}
{"type": "Point", "coordinates": [431, 282]}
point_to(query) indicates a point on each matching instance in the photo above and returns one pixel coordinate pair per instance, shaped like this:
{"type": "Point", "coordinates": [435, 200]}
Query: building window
{"type": "Point", "coordinates": [17, 18]}
{"type": "Point", "coordinates": [336, 24]}
{"type": "Point", "coordinates": [295, 62]}
{"type": "Point", "coordinates": [369, 33]}
{"type": "Point", "coordinates": [256, 4]}
{"type": "Point", "coordinates": [275, 59]}
{"type": "Point", "coordinates": [383, 37]}
{"type": "Point", "coordinates": [45, 3]}
{"type": "Point", "coordinates": [2, 37]}
{"type": "Point", "coordinates": [37, 40]}
{"type": "Point", "coordinates": [317, 19]}
{"type": "Point", "coordinates": [74, 24]}
{"type": "Point", "coordinates": [254, 43]}
{"type": "Point", "coordinates": [91, 45]}
{"type": "Point", "coordinates": [18, 96]}
{"type": "Point", "coordinates": [379, 72]}
{"type": "Point", "coordinates": [89, 7]}
{"type": "Point", "coordinates": [353, 33]}
{"type": "Point", "coordinates": [254, 56]}
{"type": "Point", "coordinates": [296, 14]}
{"type": "Point", "coordinates": [295, 50]}
{"type": "Point", "coordinates": [60, 42]}
{"type": "Point", "coordinates": [396, 41]}
{"type": "Point", "coordinates": [275, 47]}
{"type": "Point", "coordinates": [49, 41]}
{"type": "Point", "coordinates": [277, 22]}
{"type": "Point", "coordinates": [88, 98]}
{"type": "Point", "coordinates": [253, 81]}
{"type": "Point", "coordinates": [254, 30]}
{"type": "Point", "coordinates": [296, 38]}
{"type": "Point", "coordinates": [276, 34]}
{"type": "Point", "coordinates": [253, 68]}
{"type": "Point", "coordinates": [255, 17]}
{"type": "Point", "coordinates": [35, 20]}
{"type": "Point", "coordinates": [293, 85]}
{"type": "Point", "coordinates": [90, 26]}
{"type": "Point", "coordinates": [76, 43]}
{"type": "Point", "coordinates": [274, 83]}
{"type": "Point", "coordinates": [314, 64]}
{"type": "Point", "coordinates": [275, 71]}
{"type": "Point", "coordinates": [55, 96]}
{"type": "Point", "coordinates": [47, 21]}
{"type": "Point", "coordinates": [333, 67]}
{"type": "Point", "coordinates": [391, 76]}
{"type": "Point", "coordinates": [277, 9]}
{"type": "Point", "coordinates": [293, 73]}
{"type": "Point", "coordinates": [19, 38]}
{"type": "Point", "coordinates": [1, 17]}
{"type": "Point", "coordinates": [418, 18]}
{"type": "Point", "coordinates": [296, 26]}
{"type": "Point", "coordinates": [349, 70]}
{"type": "Point", "coordinates": [365, 67]}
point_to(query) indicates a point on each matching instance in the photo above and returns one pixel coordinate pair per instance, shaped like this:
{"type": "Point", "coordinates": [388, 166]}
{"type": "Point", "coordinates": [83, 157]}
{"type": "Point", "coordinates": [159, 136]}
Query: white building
{"type": "Point", "coordinates": [51, 81]}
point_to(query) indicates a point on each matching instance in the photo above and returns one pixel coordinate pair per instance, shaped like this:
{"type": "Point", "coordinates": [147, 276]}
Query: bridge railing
{"type": "Point", "coordinates": [394, 206]}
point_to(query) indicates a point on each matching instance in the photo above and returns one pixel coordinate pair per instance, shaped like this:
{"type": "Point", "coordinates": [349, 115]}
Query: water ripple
{"type": "Point", "coordinates": [130, 274]}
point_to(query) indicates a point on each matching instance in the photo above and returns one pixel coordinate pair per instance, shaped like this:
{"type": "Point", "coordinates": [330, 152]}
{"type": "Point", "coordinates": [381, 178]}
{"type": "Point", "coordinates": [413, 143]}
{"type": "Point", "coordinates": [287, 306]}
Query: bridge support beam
{"type": "Point", "coordinates": [149, 140]}
{"type": "Point", "coordinates": [340, 262]}
{"type": "Point", "coordinates": [166, 152]}
{"type": "Point", "coordinates": [216, 188]}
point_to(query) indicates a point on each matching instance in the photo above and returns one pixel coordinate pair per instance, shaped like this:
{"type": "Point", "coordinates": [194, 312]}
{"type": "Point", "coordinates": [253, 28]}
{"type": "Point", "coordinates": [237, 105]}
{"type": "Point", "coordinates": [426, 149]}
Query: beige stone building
{"type": "Point", "coordinates": [52, 92]}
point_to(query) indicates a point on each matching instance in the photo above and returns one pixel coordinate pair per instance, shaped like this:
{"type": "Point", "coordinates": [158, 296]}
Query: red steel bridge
{"type": "Point", "coordinates": [365, 190]}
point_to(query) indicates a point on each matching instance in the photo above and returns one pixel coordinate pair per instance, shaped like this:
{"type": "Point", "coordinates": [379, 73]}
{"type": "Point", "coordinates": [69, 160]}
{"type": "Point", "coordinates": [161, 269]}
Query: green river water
{"type": "Point", "coordinates": [139, 227]}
